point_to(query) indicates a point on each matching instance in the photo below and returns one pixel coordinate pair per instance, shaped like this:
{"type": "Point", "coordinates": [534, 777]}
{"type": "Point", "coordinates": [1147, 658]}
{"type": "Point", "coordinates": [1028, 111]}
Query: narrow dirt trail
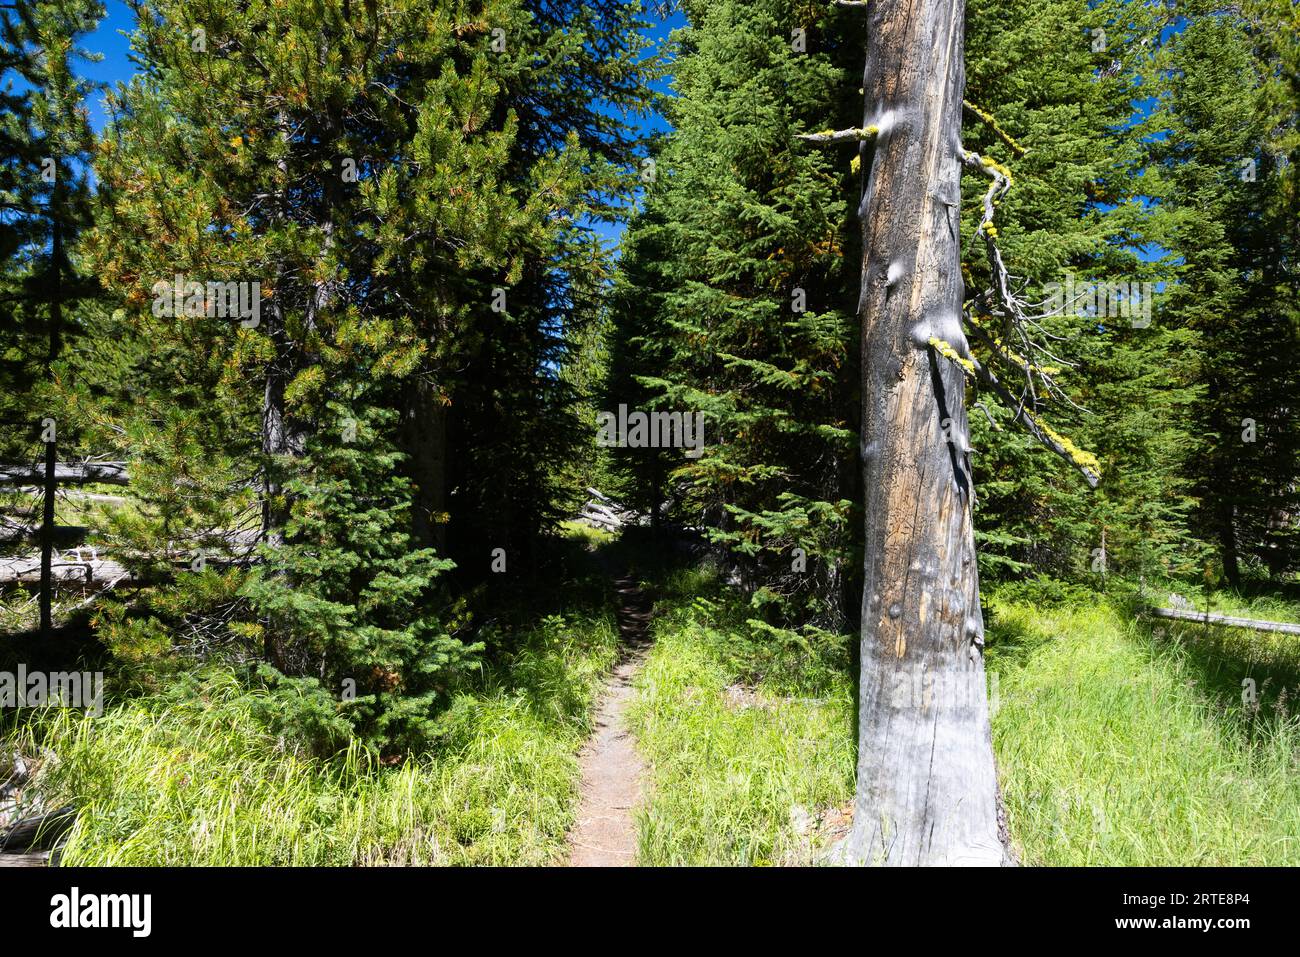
{"type": "Point", "coordinates": [604, 832]}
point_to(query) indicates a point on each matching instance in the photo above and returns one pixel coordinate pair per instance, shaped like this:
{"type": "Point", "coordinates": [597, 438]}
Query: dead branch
{"type": "Point", "coordinates": [836, 137]}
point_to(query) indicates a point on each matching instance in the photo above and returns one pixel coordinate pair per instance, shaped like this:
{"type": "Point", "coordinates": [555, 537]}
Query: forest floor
{"type": "Point", "coordinates": [612, 772]}
{"type": "Point", "coordinates": [599, 734]}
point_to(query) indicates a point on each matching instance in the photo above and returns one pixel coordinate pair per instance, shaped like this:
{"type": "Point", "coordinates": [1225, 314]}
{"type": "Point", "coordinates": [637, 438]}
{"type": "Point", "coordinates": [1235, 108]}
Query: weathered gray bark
{"type": "Point", "coordinates": [39, 833]}
{"type": "Point", "coordinates": [30, 569]}
{"type": "Point", "coordinates": [927, 786]}
{"type": "Point", "coordinates": [108, 473]}
{"type": "Point", "coordinates": [1228, 621]}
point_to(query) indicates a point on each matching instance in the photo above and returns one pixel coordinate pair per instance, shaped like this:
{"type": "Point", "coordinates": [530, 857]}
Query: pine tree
{"type": "Point", "coordinates": [1049, 96]}
{"type": "Point", "coordinates": [732, 302]}
{"type": "Point", "coordinates": [514, 423]}
{"type": "Point", "coordinates": [358, 611]}
{"type": "Point", "coordinates": [404, 190]}
{"type": "Point", "coordinates": [45, 142]}
{"type": "Point", "coordinates": [1217, 148]}
{"type": "Point", "coordinates": [347, 168]}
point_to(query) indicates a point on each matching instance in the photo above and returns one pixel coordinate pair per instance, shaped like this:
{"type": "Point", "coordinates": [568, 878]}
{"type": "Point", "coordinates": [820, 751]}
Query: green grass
{"type": "Point", "coordinates": [1267, 607]}
{"type": "Point", "coordinates": [1126, 744]}
{"type": "Point", "coordinates": [588, 534]}
{"type": "Point", "coordinates": [737, 776]}
{"type": "Point", "coordinates": [184, 779]}
{"type": "Point", "coordinates": [1117, 744]}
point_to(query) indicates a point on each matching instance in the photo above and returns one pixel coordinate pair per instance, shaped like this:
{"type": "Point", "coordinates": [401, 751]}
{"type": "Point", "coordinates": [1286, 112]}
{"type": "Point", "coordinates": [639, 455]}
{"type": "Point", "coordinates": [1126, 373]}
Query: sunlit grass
{"type": "Point", "coordinates": [188, 779]}
{"type": "Point", "coordinates": [588, 534]}
{"type": "Point", "coordinates": [1117, 745]}
{"type": "Point", "coordinates": [738, 775]}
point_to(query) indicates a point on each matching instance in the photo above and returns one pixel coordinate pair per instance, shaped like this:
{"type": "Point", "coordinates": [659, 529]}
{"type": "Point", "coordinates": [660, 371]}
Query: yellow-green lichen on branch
{"type": "Point", "coordinates": [1085, 460]}
{"type": "Point", "coordinates": [997, 167]}
{"type": "Point", "coordinates": [988, 118]}
{"type": "Point", "coordinates": [949, 353]}
{"type": "Point", "coordinates": [864, 133]}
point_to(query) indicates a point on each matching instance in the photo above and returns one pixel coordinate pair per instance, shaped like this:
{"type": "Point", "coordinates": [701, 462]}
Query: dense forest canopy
{"type": "Point", "coordinates": [317, 346]}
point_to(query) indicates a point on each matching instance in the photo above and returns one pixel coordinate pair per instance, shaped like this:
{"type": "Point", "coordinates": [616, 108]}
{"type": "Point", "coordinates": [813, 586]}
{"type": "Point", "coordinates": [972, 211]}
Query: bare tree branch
{"type": "Point", "coordinates": [1039, 429]}
{"type": "Point", "coordinates": [835, 137]}
{"type": "Point", "coordinates": [992, 123]}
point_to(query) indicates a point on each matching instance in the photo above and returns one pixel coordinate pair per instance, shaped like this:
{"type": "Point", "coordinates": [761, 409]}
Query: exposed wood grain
{"type": "Point", "coordinates": [927, 786]}
{"type": "Point", "coordinates": [109, 473]}
{"type": "Point", "coordinates": [26, 570]}
{"type": "Point", "coordinates": [1209, 618]}
{"type": "Point", "coordinates": [39, 859]}
{"type": "Point", "coordinates": [39, 833]}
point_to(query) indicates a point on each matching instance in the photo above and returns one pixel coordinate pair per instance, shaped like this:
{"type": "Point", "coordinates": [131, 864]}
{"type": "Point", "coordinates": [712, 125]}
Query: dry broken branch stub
{"type": "Point", "coordinates": [1000, 302]}
{"type": "Point", "coordinates": [1037, 428]}
{"type": "Point", "coordinates": [835, 137]}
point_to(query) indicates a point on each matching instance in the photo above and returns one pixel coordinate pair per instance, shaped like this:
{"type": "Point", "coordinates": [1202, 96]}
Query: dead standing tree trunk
{"type": "Point", "coordinates": [927, 785]}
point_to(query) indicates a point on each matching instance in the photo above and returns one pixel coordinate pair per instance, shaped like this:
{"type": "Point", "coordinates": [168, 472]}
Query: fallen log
{"type": "Point", "coordinates": [39, 859]}
{"type": "Point", "coordinates": [74, 495]}
{"type": "Point", "coordinates": [606, 513]}
{"type": "Point", "coordinates": [597, 493]}
{"type": "Point", "coordinates": [26, 570]}
{"type": "Point", "coordinates": [1208, 618]}
{"type": "Point", "coordinates": [65, 536]}
{"type": "Point", "coordinates": [600, 516]}
{"type": "Point", "coordinates": [81, 473]}
{"type": "Point", "coordinates": [39, 833]}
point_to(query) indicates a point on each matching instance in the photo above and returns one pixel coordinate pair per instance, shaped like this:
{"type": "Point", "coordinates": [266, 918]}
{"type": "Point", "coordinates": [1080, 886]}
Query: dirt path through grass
{"type": "Point", "coordinates": [604, 833]}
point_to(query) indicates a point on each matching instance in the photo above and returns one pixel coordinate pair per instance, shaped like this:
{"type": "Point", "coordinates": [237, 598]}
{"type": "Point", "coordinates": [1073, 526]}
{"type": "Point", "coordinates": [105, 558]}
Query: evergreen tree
{"type": "Point", "coordinates": [733, 302]}
{"type": "Point", "coordinates": [411, 191]}
{"type": "Point", "coordinates": [1217, 147]}
{"type": "Point", "coordinates": [350, 165]}
{"type": "Point", "coordinates": [358, 613]}
{"type": "Point", "coordinates": [1050, 85]}
{"type": "Point", "coordinates": [515, 420]}
{"type": "Point", "coordinates": [45, 143]}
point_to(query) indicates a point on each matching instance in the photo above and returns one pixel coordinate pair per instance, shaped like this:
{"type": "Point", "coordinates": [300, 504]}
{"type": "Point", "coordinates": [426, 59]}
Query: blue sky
{"type": "Point", "coordinates": [112, 42]}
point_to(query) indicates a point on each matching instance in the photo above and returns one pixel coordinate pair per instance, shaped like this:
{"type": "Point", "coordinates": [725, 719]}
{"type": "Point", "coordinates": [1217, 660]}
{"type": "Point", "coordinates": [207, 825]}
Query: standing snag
{"type": "Point", "coordinates": [927, 786]}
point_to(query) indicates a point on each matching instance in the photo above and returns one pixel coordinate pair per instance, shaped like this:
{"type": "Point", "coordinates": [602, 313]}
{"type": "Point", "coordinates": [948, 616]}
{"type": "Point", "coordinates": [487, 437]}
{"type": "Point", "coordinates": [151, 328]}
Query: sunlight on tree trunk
{"type": "Point", "coordinates": [927, 790]}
